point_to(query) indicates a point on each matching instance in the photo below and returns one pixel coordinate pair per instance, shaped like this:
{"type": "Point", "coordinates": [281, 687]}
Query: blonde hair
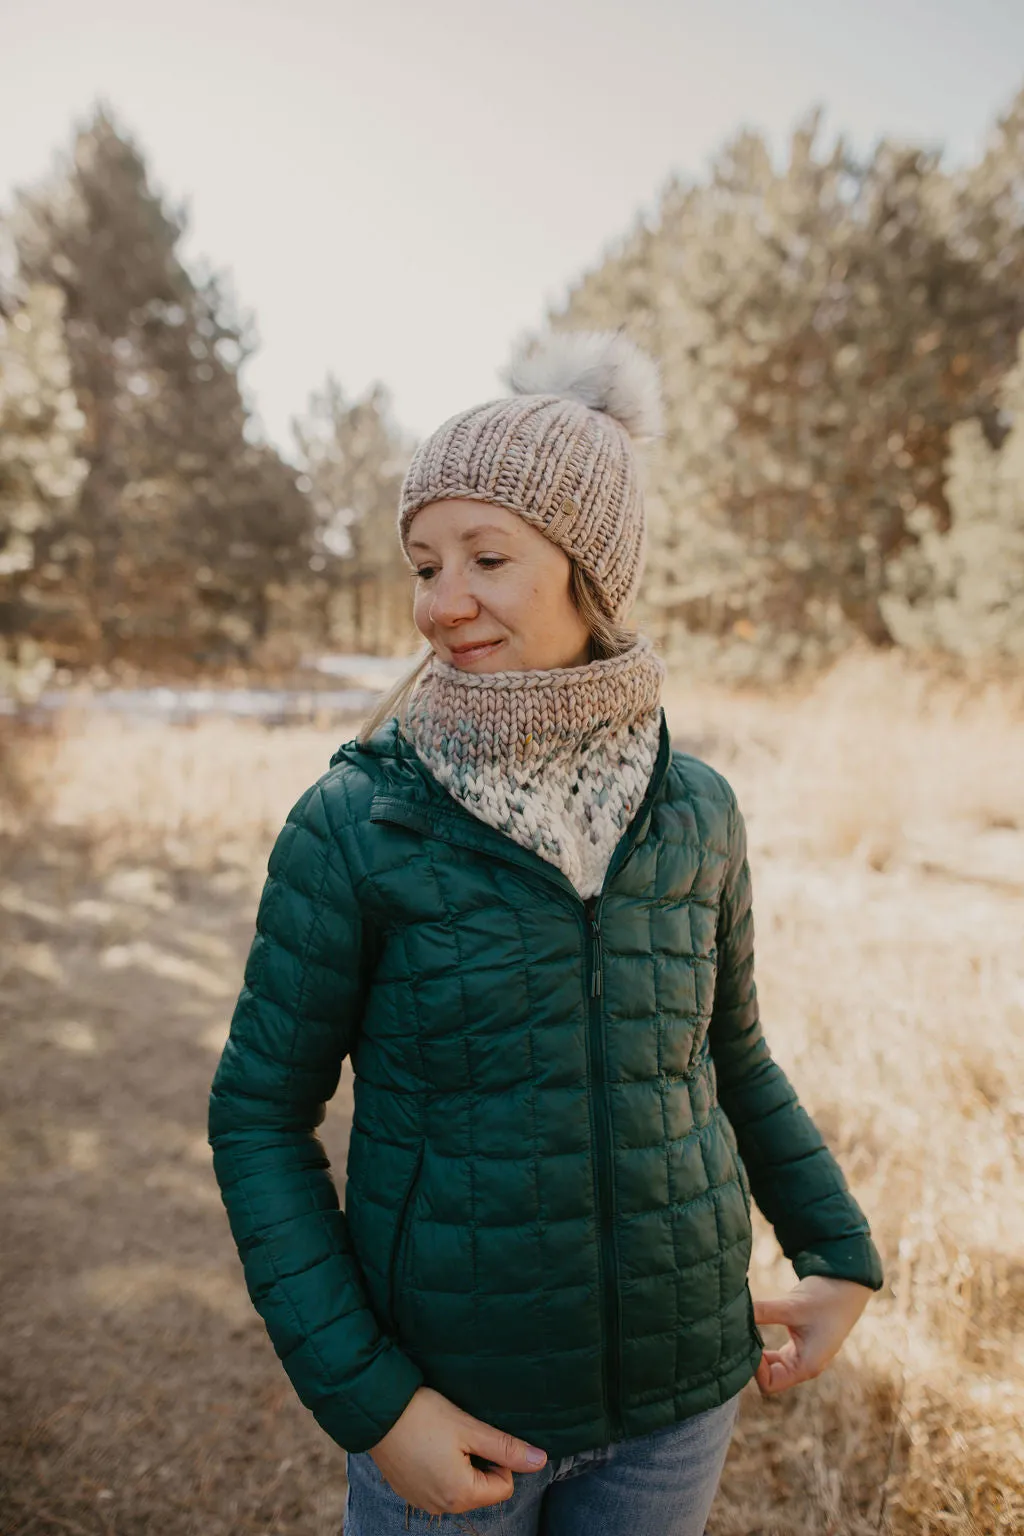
{"type": "Point", "coordinates": [607, 638]}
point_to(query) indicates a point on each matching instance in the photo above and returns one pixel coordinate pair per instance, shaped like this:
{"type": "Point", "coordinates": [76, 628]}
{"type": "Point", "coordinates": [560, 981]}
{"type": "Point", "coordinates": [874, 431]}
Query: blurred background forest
{"type": "Point", "coordinates": [843, 462]}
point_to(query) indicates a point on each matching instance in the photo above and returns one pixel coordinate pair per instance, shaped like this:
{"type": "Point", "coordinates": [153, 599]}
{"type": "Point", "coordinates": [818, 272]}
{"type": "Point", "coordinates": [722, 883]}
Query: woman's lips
{"type": "Point", "coordinates": [475, 651]}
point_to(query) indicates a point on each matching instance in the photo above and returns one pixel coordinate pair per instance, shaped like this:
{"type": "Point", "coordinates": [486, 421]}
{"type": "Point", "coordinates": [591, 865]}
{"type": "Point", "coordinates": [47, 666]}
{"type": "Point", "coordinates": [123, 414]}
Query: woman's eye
{"type": "Point", "coordinates": [489, 563]}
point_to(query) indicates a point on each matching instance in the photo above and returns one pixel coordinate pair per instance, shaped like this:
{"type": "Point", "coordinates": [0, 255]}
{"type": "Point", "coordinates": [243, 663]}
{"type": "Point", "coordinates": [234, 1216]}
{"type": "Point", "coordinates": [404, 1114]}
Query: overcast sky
{"type": "Point", "coordinates": [400, 187]}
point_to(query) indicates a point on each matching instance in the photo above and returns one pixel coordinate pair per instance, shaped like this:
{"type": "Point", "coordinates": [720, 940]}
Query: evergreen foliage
{"type": "Point", "coordinates": [822, 327]}
{"type": "Point", "coordinates": [186, 521]}
{"type": "Point", "coordinates": [961, 592]}
{"type": "Point", "coordinates": [354, 458]}
{"type": "Point", "coordinates": [842, 459]}
{"type": "Point", "coordinates": [41, 473]}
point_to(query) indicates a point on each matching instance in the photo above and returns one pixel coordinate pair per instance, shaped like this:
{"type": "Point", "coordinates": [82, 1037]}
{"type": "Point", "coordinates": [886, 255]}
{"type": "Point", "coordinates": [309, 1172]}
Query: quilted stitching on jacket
{"type": "Point", "coordinates": [547, 1207]}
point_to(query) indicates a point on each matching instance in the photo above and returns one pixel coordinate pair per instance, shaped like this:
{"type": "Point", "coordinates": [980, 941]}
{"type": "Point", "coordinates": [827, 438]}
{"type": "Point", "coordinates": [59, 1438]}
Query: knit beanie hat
{"type": "Point", "coordinates": [560, 452]}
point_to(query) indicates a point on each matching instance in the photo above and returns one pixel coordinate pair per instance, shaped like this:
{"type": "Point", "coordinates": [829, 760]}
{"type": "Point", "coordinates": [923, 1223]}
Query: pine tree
{"type": "Point", "coordinates": [821, 328]}
{"type": "Point", "coordinates": [354, 458]}
{"type": "Point", "coordinates": [961, 592]}
{"type": "Point", "coordinates": [40, 476]}
{"type": "Point", "coordinates": [184, 523]}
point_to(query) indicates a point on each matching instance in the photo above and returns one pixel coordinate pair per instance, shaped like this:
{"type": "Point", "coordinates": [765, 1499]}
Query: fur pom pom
{"type": "Point", "coordinates": [602, 369]}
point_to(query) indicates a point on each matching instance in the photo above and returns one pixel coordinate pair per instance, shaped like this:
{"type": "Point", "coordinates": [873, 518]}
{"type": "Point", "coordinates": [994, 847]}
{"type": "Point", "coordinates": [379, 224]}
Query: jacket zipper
{"type": "Point", "coordinates": [605, 1175]}
{"type": "Point", "coordinates": [597, 981]}
{"type": "Point", "coordinates": [446, 823]}
{"type": "Point", "coordinates": [601, 1130]}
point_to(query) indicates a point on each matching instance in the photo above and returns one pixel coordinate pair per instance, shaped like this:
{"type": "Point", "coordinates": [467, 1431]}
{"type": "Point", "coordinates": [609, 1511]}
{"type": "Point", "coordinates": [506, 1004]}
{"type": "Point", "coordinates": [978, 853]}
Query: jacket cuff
{"type": "Point", "coordinates": [843, 1258]}
{"type": "Point", "coordinates": [357, 1420]}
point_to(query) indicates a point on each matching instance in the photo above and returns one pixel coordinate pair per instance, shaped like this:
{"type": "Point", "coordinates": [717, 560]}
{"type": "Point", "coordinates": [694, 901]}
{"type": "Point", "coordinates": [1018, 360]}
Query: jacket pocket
{"type": "Point", "coordinates": [399, 1240]}
{"type": "Point", "coordinates": [741, 1174]}
{"type": "Point", "coordinates": [706, 1003]}
{"type": "Point", "coordinates": [700, 1034]}
{"type": "Point", "coordinates": [742, 1177]}
{"type": "Point", "coordinates": [755, 1330]}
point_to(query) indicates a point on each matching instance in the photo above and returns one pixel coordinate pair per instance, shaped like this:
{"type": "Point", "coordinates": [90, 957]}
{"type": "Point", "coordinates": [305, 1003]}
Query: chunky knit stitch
{"type": "Point", "coordinates": [559, 452]}
{"type": "Point", "coordinates": [558, 758]}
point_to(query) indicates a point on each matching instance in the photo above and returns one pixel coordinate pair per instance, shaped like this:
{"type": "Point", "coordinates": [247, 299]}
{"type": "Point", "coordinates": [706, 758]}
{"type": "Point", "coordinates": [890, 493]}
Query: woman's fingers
{"type": "Point", "coordinates": [505, 1450]}
{"type": "Point", "coordinates": [442, 1460]}
{"type": "Point", "coordinates": [817, 1314]}
{"type": "Point", "coordinates": [776, 1309]}
{"type": "Point", "coordinates": [796, 1361]}
{"type": "Point", "coordinates": [503, 1455]}
{"type": "Point", "coordinates": [782, 1368]}
{"type": "Point", "coordinates": [490, 1487]}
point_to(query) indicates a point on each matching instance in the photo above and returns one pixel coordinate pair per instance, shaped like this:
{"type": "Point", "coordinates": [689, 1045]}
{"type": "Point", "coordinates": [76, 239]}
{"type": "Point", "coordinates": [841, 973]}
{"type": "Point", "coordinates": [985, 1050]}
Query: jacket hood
{"type": "Point", "coordinates": [385, 742]}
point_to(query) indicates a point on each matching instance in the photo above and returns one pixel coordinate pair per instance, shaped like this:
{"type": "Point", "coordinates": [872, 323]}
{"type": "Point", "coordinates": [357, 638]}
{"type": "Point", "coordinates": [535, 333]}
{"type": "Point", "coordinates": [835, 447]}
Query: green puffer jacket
{"type": "Point", "coordinates": [558, 1107]}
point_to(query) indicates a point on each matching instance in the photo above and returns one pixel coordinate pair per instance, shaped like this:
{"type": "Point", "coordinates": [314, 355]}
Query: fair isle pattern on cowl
{"type": "Point", "coordinates": [557, 758]}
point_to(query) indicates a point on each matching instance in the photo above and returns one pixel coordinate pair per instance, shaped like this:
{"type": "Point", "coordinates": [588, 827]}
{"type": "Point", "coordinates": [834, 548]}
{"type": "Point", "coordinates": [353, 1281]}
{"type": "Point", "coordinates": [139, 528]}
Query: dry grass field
{"type": "Point", "coordinates": [139, 1395]}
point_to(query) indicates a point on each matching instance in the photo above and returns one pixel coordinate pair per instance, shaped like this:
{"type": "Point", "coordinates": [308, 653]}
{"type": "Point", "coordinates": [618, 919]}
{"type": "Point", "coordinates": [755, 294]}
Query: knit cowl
{"type": "Point", "coordinates": [557, 758]}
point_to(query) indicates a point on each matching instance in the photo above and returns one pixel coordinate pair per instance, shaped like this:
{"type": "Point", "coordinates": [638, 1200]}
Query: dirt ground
{"type": "Point", "coordinates": [139, 1394]}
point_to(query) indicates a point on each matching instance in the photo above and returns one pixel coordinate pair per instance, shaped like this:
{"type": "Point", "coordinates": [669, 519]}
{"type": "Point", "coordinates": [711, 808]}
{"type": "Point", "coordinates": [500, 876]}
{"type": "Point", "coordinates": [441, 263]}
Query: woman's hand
{"type": "Point", "coordinates": [425, 1457]}
{"type": "Point", "coordinates": [819, 1312]}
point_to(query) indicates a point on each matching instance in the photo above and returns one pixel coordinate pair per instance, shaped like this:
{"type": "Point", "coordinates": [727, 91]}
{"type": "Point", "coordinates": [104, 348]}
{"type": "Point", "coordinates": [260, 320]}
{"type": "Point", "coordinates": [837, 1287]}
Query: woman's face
{"type": "Point", "coordinates": [492, 593]}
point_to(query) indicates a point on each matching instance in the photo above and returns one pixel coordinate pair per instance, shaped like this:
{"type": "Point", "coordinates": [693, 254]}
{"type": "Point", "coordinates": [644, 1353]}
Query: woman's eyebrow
{"type": "Point", "coordinates": [503, 533]}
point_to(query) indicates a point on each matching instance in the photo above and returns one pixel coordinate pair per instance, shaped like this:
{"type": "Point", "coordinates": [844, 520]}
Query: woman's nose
{"type": "Point", "coordinates": [451, 600]}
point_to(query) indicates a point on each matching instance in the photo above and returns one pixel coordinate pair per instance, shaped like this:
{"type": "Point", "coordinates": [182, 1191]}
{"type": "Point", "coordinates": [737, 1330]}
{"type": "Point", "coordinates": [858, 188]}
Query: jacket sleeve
{"type": "Point", "coordinates": [294, 1022]}
{"type": "Point", "coordinates": [794, 1178]}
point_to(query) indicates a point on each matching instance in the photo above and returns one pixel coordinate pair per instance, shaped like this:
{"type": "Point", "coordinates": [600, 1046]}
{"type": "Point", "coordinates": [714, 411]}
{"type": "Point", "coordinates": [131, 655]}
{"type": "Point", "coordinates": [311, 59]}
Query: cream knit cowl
{"type": "Point", "coordinates": [557, 758]}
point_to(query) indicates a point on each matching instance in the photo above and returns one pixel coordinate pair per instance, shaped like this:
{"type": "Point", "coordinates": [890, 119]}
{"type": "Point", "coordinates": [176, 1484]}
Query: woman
{"type": "Point", "coordinates": [527, 919]}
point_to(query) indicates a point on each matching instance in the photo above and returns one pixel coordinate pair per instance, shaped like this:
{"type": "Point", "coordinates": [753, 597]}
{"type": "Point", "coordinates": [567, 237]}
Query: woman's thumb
{"type": "Point", "coordinates": [774, 1309]}
{"type": "Point", "coordinates": [497, 1446]}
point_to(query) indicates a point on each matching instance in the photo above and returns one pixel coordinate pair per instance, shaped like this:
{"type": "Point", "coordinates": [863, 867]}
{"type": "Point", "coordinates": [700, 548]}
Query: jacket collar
{"type": "Point", "coordinates": [409, 796]}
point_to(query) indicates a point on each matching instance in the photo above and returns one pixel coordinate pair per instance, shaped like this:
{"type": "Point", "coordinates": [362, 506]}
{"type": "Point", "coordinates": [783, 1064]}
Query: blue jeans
{"type": "Point", "coordinates": [661, 1484]}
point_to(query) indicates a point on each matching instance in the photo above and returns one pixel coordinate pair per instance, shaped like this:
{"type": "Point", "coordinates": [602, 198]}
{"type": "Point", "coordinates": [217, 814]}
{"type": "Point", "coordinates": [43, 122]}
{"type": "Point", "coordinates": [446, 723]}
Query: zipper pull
{"type": "Point", "coordinates": [596, 983]}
